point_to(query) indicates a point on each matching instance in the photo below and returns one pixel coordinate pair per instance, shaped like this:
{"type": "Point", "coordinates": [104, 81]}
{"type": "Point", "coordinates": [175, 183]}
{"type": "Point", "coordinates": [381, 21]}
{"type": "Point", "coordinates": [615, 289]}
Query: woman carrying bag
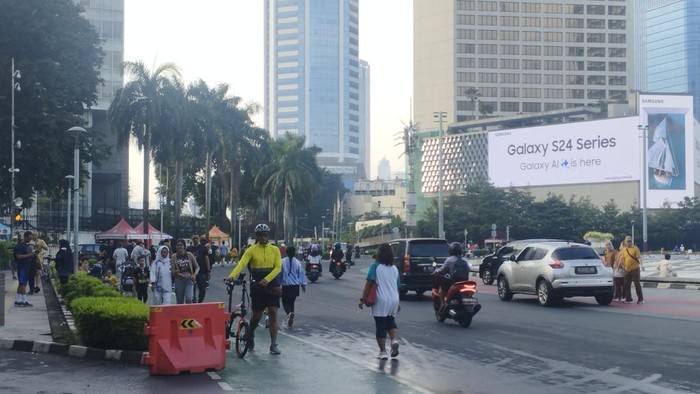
{"type": "Point", "coordinates": [385, 276]}
{"type": "Point", "coordinates": [185, 272]}
{"type": "Point", "coordinates": [161, 277]}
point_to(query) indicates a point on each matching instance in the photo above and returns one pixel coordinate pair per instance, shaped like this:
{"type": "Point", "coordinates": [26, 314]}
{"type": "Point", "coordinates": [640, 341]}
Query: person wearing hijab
{"type": "Point", "coordinates": [161, 277]}
{"type": "Point", "coordinates": [64, 261]}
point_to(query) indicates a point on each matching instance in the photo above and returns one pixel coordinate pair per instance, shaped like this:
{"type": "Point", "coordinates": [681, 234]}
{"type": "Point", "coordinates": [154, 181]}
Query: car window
{"type": "Point", "coordinates": [428, 249]}
{"type": "Point", "coordinates": [395, 249]}
{"type": "Point", "coordinates": [539, 254]}
{"type": "Point", "coordinates": [505, 250]}
{"type": "Point", "coordinates": [575, 253]}
{"type": "Point", "coordinates": [527, 254]}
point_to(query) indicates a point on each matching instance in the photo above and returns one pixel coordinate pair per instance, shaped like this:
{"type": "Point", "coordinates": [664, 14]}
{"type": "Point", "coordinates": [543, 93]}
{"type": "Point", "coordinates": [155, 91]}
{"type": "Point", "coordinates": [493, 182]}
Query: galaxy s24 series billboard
{"type": "Point", "coordinates": [571, 153]}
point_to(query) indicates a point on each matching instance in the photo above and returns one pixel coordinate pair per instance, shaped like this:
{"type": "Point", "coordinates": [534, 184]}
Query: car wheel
{"type": "Point", "coordinates": [604, 299]}
{"type": "Point", "coordinates": [487, 277]}
{"type": "Point", "coordinates": [544, 293]}
{"type": "Point", "coordinates": [503, 290]}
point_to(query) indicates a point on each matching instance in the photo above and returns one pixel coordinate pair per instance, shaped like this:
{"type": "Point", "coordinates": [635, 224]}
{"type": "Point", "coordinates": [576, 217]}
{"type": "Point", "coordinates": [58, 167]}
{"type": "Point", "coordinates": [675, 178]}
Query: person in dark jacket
{"type": "Point", "coordinates": [64, 261]}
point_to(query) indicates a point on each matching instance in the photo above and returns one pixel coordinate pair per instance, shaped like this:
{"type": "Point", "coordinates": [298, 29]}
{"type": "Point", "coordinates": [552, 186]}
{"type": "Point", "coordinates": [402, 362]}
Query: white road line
{"type": "Point", "coordinates": [225, 386]}
{"type": "Point", "coordinates": [361, 363]}
{"type": "Point", "coordinates": [214, 375]}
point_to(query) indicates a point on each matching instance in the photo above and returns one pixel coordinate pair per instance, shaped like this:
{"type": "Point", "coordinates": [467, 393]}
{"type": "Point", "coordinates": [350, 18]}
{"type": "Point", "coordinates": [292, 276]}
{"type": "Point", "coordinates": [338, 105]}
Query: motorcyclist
{"type": "Point", "coordinates": [314, 257]}
{"type": "Point", "coordinates": [337, 254]}
{"type": "Point", "coordinates": [456, 266]}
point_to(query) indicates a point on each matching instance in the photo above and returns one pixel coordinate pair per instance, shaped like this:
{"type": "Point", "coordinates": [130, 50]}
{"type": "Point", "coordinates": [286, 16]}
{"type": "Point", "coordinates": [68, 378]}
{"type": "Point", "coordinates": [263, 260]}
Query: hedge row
{"type": "Point", "coordinates": [111, 322]}
{"type": "Point", "coordinates": [84, 285]}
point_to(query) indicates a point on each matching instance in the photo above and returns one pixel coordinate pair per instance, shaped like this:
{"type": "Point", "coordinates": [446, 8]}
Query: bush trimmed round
{"type": "Point", "coordinates": [111, 322]}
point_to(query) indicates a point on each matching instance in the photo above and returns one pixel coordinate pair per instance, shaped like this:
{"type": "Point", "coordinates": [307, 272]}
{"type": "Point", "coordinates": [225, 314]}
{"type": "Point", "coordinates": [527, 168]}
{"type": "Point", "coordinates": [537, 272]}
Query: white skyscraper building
{"type": "Point", "coordinates": [384, 169]}
{"type": "Point", "coordinates": [315, 83]}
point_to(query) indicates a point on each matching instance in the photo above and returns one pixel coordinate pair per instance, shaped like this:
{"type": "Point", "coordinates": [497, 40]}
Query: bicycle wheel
{"type": "Point", "coordinates": [242, 334]}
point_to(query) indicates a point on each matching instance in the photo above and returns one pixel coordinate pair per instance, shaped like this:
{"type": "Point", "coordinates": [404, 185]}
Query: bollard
{"type": "Point", "coordinates": [2, 298]}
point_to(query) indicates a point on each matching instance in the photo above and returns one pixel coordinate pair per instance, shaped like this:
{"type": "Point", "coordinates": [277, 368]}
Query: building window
{"type": "Point", "coordinates": [553, 36]}
{"type": "Point", "coordinates": [530, 21]}
{"type": "Point", "coordinates": [488, 77]}
{"type": "Point", "coordinates": [531, 7]}
{"type": "Point", "coordinates": [552, 22]}
{"type": "Point", "coordinates": [491, 35]}
{"type": "Point", "coordinates": [574, 37]}
{"type": "Point", "coordinates": [553, 79]}
{"type": "Point", "coordinates": [617, 52]}
{"type": "Point", "coordinates": [466, 48]}
{"type": "Point", "coordinates": [510, 35]}
{"type": "Point", "coordinates": [532, 64]}
{"type": "Point", "coordinates": [488, 92]}
{"type": "Point", "coordinates": [575, 79]}
{"type": "Point", "coordinates": [617, 10]}
{"type": "Point", "coordinates": [509, 6]}
{"type": "Point", "coordinates": [465, 77]}
{"type": "Point", "coordinates": [466, 34]}
{"type": "Point", "coordinates": [596, 52]}
{"type": "Point", "coordinates": [531, 36]}
{"type": "Point", "coordinates": [510, 107]}
{"type": "Point", "coordinates": [532, 50]}
{"type": "Point", "coordinates": [465, 105]}
{"type": "Point", "coordinates": [510, 49]}
{"type": "Point", "coordinates": [596, 94]}
{"type": "Point", "coordinates": [596, 37]}
{"type": "Point", "coordinates": [510, 78]}
{"type": "Point", "coordinates": [464, 62]}
{"type": "Point", "coordinates": [551, 8]}
{"type": "Point", "coordinates": [617, 38]}
{"type": "Point", "coordinates": [553, 106]}
{"type": "Point", "coordinates": [617, 94]}
{"type": "Point", "coordinates": [617, 66]}
{"type": "Point", "coordinates": [488, 63]}
{"type": "Point", "coordinates": [530, 79]}
{"type": "Point", "coordinates": [468, 20]}
{"type": "Point", "coordinates": [510, 64]}
{"type": "Point", "coordinates": [596, 80]}
{"type": "Point", "coordinates": [488, 20]}
{"type": "Point", "coordinates": [596, 24]}
{"type": "Point", "coordinates": [574, 51]}
{"type": "Point", "coordinates": [554, 93]}
{"type": "Point", "coordinates": [488, 49]}
{"type": "Point", "coordinates": [465, 5]}
{"type": "Point", "coordinates": [574, 9]}
{"type": "Point", "coordinates": [553, 51]}
{"type": "Point", "coordinates": [532, 107]}
{"type": "Point", "coordinates": [617, 24]}
{"type": "Point", "coordinates": [574, 23]}
{"type": "Point", "coordinates": [596, 66]}
{"type": "Point", "coordinates": [510, 92]}
{"type": "Point", "coordinates": [553, 65]}
{"type": "Point", "coordinates": [575, 94]}
{"type": "Point", "coordinates": [574, 65]}
{"type": "Point", "coordinates": [595, 10]}
{"type": "Point", "coordinates": [531, 93]}
{"type": "Point", "coordinates": [488, 6]}
{"type": "Point", "coordinates": [617, 81]}
{"type": "Point", "coordinates": [509, 21]}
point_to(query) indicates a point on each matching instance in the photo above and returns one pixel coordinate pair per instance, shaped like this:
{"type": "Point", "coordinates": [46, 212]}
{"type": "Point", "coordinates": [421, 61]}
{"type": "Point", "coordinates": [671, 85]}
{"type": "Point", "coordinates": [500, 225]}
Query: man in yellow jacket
{"type": "Point", "coordinates": [631, 263]}
{"type": "Point", "coordinates": [265, 263]}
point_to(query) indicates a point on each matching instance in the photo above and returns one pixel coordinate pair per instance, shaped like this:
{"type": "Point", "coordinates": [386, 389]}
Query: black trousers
{"type": "Point", "coordinates": [202, 284]}
{"type": "Point", "coordinates": [142, 291]}
{"type": "Point", "coordinates": [32, 274]}
{"type": "Point", "coordinates": [289, 296]}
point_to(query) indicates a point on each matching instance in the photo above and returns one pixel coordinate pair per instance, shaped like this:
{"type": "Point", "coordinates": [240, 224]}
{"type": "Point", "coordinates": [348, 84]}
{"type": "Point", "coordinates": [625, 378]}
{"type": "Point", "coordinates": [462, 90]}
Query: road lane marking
{"type": "Point", "coordinates": [214, 375]}
{"type": "Point", "coordinates": [225, 386]}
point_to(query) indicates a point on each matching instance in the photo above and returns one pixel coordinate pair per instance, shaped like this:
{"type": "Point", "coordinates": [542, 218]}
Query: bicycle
{"type": "Point", "coordinates": [46, 269]}
{"type": "Point", "coordinates": [242, 333]}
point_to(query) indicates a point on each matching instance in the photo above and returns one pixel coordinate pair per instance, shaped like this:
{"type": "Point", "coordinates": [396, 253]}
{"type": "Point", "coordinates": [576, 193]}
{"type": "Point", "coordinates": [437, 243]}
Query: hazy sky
{"type": "Point", "coordinates": [221, 41]}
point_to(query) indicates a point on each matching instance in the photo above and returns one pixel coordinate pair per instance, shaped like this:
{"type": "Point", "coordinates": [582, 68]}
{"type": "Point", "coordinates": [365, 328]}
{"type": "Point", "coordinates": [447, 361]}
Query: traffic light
{"type": "Point", "coordinates": [17, 215]}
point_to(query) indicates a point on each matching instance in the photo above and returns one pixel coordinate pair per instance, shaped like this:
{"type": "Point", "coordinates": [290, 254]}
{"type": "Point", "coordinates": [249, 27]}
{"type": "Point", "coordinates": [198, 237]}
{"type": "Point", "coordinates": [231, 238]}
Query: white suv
{"type": "Point", "coordinates": [554, 270]}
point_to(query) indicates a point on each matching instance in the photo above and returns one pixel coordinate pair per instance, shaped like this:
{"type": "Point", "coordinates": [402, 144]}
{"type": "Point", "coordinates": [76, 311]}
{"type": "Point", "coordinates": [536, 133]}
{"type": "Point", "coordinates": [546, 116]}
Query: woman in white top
{"type": "Point", "coordinates": [384, 273]}
{"type": "Point", "coordinates": [292, 278]}
{"type": "Point", "coordinates": [161, 277]}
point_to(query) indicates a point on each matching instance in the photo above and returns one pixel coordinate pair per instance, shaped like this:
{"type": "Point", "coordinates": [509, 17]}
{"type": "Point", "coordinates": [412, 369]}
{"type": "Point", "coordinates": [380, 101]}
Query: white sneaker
{"type": "Point", "coordinates": [383, 355]}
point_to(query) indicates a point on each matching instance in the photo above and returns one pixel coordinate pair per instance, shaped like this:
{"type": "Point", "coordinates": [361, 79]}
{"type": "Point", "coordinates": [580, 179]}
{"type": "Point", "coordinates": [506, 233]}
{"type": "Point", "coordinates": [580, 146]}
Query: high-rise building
{"type": "Point", "coordinates": [315, 83]}
{"type": "Point", "coordinates": [670, 47]}
{"type": "Point", "coordinates": [521, 56]}
{"type": "Point", "coordinates": [384, 170]}
{"type": "Point", "coordinates": [106, 193]}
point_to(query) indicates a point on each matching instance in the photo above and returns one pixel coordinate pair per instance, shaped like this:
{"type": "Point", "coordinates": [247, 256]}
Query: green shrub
{"type": "Point", "coordinates": [5, 254]}
{"type": "Point", "coordinates": [111, 323]}
{"type": "Point", "coordinates": [84, 285]}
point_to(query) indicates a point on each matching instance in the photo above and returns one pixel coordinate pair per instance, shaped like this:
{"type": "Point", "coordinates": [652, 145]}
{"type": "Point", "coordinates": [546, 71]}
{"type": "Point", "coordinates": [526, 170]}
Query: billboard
{"type": "Point", "coordinates": [571, 153]}
{"type": "Point", "coordinates": [668, 126]}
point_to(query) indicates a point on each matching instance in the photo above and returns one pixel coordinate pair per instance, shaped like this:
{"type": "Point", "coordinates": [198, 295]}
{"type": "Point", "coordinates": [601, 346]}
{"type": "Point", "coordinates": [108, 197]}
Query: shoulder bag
{"type": "Point", "coordinates": [371, 298]}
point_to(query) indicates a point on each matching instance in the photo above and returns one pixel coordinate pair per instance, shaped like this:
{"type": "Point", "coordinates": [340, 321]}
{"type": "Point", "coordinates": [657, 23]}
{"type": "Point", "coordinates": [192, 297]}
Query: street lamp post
{"type": "Point", "coordinates": [15, 86]}
{"type": "Point", "coordinates": [439, 117]}
{"type": "Point", "coordinates": [70, 193]}
{"type": "Point", "coordinates": [644, 175]}
{"type": "Point", "coordinates": [632, 223]}
{"type": "Point", "coordinates": [240, 219]}
{"type": "Point", "coordinates": [76, 131]}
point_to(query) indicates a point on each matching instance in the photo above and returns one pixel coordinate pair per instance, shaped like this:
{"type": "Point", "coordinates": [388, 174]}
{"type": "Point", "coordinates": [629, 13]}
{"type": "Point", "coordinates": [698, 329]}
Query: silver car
{"type": "Point", "coordinates": [554, 270]}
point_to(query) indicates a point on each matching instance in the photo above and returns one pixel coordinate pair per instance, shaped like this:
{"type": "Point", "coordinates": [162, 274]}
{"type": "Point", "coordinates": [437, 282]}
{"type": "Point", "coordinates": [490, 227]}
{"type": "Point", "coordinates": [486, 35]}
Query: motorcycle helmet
{"type": "Point", "coordinates": [456, 249]}
{"type": "Point", "coordinates": [262, 228]}
{"type": "Point", "coordinates": [336, 246]}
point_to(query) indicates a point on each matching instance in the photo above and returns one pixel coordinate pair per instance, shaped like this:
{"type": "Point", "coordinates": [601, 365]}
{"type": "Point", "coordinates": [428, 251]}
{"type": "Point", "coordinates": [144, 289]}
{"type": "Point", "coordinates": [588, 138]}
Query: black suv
{"type": "Point", "coordinates": [491, 262]}
{"type": "Point", "coordinates": [416, 259]}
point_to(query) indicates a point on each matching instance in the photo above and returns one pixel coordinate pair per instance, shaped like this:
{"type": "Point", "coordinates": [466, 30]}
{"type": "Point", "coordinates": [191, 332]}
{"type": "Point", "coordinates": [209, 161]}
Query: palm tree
{"type": "Point", "coordinates": [473, 95]}
{"type": "Point", "coordinates": [141, 109]}
{"type": "Point", "coordinates": [292, 175]}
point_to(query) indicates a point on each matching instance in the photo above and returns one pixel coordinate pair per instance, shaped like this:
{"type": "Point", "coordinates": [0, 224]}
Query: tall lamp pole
{"type": "Point", "coordinates": [644, 175]}
{"type": "Point", "coordinates": [15, 86]}
{"type": "Point", "coordinates": [240, 219]}
{"type": "Point", "coordinates": [70, 194]}
{"type": "Point", "coordinates": [76, 131]}
{"type": "Point", "coordinates": [439, 117]}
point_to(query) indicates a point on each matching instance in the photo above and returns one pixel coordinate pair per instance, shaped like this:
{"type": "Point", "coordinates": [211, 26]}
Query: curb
{"type": "Point", "coordinates": [670, 285]}
{"type": "Point", "coordinates": [62, 349]}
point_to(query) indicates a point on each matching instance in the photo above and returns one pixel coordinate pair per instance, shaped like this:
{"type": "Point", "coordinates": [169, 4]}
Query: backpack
{"type": "Point", "coordinates": [461, 270]}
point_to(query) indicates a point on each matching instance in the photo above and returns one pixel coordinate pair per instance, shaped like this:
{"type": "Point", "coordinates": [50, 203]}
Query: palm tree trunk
{"type": "Point", "coordinates": [146, 179]}
{"type": "Point", "coordinates": [232, 203]}
{"type": "Point", "coordinates": [207, 194]}
{"type": "Point", "coordinates": [178, 196]}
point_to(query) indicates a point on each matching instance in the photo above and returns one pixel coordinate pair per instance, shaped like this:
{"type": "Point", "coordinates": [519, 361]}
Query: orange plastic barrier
{"type": "Point", "coordinates": [186, 338]}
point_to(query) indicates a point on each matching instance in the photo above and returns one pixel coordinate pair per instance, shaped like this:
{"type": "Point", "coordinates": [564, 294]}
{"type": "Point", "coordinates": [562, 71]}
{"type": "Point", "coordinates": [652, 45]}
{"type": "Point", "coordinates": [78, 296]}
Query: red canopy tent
{"type": "Point", "coordinates": [121, 230]}
{"type": "Point", "coordinates": [153, 233]}
{"type": "Point", "coordinates": [215, 234]}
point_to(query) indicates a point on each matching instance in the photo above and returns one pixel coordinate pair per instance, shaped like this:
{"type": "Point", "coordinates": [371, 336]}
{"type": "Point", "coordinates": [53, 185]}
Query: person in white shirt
{"type": "Point", "coordinates": [665, 268]}
{"type": "Point", "coordinates": [120, 255]}
{"type": "Point", "coordinates": [140, 251]}
{"type": "Point", "coordinates": [292, 278]}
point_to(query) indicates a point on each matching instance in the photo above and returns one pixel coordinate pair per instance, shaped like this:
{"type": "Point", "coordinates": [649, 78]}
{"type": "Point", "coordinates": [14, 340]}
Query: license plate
{"type": "Point", "coordinates": [586, 270]}
{"type": "Point", "coordinates": [469, 301]}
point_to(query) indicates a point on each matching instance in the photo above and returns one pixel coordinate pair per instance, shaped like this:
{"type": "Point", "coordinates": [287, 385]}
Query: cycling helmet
{"type": "Point", "coordinates": [262, 228]}
{"type": "Point", "coordinates": [336, 246]}
{"type": "Point", "coordinates": [456, 249]}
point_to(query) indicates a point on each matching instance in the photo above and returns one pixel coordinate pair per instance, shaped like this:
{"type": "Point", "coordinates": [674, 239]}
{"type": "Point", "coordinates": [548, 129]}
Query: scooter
{"type": "Point", "coordinates": [313, 268]}
{"type": "Point", "coordinates": [337, 268]}
{"type": "Point", "coordinates": [459, 304]}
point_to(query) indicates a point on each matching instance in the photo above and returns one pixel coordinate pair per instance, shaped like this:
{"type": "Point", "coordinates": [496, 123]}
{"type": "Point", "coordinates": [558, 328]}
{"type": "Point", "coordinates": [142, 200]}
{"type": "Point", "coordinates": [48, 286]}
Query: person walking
{"type": "Point", "coordinates": [41, 248]}
{"type": "Point", "coordinates": [161, 277]}
{"type": "Point", "coordinates": [293, 277]}
{"type": "Point", "coordinates": [142, 275]}
{"type": "Point", "coordinates": [185, 271]}
{"type": "Point", "coordinates": [120, 255]}
{"type": "Point", "coordinates": [631, 263]}
{"type": "Point", "coordinates": [201, 253]}
{"type": "Point", "coordinates": [385, 275]}
{"type": "Point", "coordinates": [23, 259]}
{"type": "Point", "coordinates": [618, 275]}
{"type": "Point", "coordinates": [64, 261]}
{"type": "Point", "coordinates": [265, 290]}
{"type": "Point", "coordinates": [223, 253]}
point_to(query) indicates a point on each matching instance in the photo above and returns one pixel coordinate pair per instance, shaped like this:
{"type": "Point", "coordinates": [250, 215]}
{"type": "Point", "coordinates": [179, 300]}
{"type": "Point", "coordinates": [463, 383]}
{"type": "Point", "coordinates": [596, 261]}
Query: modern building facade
{"type": "Point", "coordinates": [670, 47]}
{"type": "Point", "coordinates": [521, 56]}
{"type": "Point", "coordinates": [106, 193]}
{"type": "Point", "coordinates": [315, 83]}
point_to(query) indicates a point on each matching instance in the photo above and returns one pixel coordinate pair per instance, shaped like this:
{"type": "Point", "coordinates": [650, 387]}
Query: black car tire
{"type": "Point", "coordinates": [487, 277]}
{"type": "Point", "coordinates": [604, 299]}
{"type": "Point", "coordinates": [544, 293]}
{"type": "Point", "coordinates": [504, 292]}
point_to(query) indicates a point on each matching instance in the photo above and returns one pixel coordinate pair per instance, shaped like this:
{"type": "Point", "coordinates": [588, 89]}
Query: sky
{"type": "Point", "coordinates": [221, 41]}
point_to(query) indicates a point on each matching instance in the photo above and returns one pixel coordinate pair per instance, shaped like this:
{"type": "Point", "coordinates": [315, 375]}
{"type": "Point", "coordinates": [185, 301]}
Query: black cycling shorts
{"type": "Point", "coordinates": [261, 299]}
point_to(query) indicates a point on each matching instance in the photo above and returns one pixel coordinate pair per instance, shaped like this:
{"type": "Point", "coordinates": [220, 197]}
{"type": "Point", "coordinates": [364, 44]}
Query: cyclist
{"type": "Point", "coordinates": [265, 263]}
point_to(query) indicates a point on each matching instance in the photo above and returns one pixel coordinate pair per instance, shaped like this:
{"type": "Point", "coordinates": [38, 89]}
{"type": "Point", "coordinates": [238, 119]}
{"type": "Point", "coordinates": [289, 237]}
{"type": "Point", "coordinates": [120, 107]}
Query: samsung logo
{"type": "Point", "coordinates": [653, 101]}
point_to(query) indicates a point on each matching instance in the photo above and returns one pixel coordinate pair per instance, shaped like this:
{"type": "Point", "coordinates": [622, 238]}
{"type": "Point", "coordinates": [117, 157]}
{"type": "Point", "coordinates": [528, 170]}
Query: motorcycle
{"type": "Point", "coordinates": [338, 268]}
{"type": "Point", "coordinates": [313, 269]}
{"type": "Point", "coordinates": [459, 304]}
